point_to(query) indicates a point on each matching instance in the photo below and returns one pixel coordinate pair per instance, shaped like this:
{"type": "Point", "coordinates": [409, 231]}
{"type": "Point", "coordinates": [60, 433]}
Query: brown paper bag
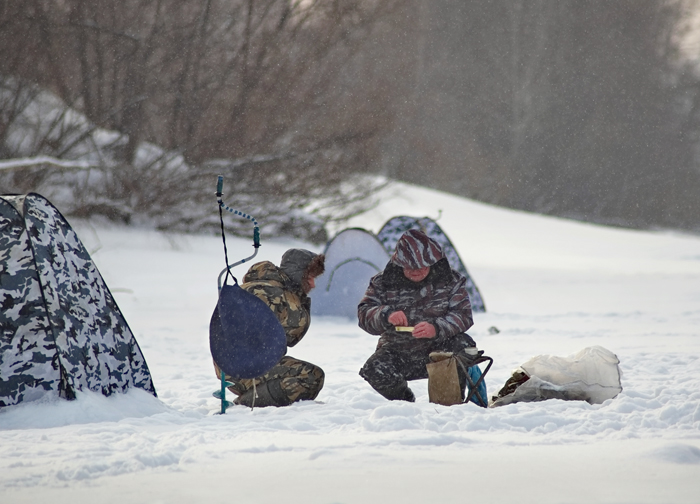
{"type": "Point", "coordinates": [443, 382]}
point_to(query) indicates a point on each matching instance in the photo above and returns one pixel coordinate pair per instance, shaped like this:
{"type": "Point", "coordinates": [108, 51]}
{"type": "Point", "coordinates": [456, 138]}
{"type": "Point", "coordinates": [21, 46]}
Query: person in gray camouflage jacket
{"type": "Point", "coordinates": [285, 290]}
{"type": "Point", "coordinates": [417, 289]}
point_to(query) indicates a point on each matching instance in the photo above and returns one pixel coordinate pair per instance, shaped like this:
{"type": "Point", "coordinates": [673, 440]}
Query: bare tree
{"type": "Point", "coordinates": [272, 80]}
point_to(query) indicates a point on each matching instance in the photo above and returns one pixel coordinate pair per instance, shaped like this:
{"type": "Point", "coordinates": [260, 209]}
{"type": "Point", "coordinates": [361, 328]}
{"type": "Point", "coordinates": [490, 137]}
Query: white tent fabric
{"type": "Point", "coordinates": [592, 375]}
{"type": "Point", "coordinates": [353, 257]}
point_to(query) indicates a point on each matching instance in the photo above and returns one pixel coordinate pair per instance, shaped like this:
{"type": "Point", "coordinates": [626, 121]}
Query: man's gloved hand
{"type": "Point", "coordinates": [398, 318]}
{"type": "Point", "coordinates": [424, 330]}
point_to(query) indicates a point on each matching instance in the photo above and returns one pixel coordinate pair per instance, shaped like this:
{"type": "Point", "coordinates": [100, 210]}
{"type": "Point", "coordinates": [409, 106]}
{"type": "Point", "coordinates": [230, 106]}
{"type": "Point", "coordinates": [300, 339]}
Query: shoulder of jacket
{"type": "Point", "coordinates": [264, 272]}
{"type": "Point", "coordinates": [458, 277]}
{"type": "Point", "coordinates": [378, 277]}
{"type": "Point", "coordinates": [457, 282]}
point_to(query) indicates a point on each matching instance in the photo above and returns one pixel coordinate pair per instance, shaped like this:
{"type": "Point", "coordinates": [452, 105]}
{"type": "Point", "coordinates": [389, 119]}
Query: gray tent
{"type": "Point", "coordinates": [353, 257]}
{"type": "Point", "coordinates": [60, 328]}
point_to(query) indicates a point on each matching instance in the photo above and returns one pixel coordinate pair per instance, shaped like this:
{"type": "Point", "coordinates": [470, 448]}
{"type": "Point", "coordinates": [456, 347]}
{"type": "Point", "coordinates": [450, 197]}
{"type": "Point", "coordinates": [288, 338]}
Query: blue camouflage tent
{"type": "Point", "coordinates": [60, 329]}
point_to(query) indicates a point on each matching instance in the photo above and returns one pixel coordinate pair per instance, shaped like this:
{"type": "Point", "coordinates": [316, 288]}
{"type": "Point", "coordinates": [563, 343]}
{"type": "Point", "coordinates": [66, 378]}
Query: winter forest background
{"type": "Point", "coordinates": [130, 108]}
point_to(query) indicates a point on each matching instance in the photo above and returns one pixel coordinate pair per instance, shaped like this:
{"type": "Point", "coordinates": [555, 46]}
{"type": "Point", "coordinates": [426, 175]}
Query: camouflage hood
{"type": "Point", "coordinates": [416, 250]}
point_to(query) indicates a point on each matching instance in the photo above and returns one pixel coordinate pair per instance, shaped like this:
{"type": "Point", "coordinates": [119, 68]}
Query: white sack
{"type": "Point", "coordinates": [592, 375]}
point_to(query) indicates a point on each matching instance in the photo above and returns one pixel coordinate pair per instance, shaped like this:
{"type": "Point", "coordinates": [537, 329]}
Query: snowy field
{"type": "Point", "coordinates": [551, 286]}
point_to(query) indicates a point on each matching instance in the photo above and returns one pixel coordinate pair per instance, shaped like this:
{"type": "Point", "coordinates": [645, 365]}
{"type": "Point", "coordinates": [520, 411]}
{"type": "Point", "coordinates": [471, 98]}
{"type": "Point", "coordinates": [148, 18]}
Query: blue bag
{"type": "Point", "coordinates": [480, 398]}
{"type": "Point", "coordinates": [245, 337]}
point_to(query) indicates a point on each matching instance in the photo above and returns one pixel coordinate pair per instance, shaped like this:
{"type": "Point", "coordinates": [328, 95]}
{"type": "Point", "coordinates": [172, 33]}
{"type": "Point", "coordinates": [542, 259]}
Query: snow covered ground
{"type": "Point", "coordinates": [551, 286]}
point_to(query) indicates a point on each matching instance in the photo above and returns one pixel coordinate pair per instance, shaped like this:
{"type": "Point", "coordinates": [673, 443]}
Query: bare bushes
{"type": "Point", "coordinates": [258, 90]}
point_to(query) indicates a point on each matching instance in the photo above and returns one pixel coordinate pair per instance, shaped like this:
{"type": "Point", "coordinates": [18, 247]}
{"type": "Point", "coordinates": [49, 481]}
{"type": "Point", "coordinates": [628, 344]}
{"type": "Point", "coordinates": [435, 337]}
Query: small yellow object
{"type": "Point", "coordinates": [404, 328]}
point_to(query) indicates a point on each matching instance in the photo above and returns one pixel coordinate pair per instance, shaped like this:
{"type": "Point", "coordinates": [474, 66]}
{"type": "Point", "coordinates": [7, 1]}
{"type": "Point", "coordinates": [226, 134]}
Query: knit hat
{"type": "Point", "coordinates": [416, 250]}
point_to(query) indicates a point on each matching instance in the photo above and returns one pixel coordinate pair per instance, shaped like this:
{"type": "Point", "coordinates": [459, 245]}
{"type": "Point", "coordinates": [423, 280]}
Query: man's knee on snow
{"type": "Point", "coordinates": [304, 383]}
{"type": "Point", "coordinates": [390, 385]}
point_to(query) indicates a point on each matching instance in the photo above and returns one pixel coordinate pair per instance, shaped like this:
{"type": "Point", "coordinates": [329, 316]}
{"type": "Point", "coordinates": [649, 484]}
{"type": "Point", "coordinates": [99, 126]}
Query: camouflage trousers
{"type": "Point", "coordinates": [399, 359]}
{"type": "Point", "coordinates": [299, 380]}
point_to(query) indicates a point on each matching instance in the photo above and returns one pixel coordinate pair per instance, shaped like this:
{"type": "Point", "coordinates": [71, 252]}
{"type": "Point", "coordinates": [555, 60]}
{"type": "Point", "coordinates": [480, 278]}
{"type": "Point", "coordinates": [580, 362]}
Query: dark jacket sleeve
{"type": "Point", "coordinates": [371, 313]}
{"type": "Point", "coordinates": [458, 318]}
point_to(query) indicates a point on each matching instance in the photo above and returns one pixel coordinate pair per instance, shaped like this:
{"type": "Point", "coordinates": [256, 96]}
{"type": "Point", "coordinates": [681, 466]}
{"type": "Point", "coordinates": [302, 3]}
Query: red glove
{"type": "Point", "coordinates": [424, 330]}
{"type": "Point", "coordinates": [398, 318]}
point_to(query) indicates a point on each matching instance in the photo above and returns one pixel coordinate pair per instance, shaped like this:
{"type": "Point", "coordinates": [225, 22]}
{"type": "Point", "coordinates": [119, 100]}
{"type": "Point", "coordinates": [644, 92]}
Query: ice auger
{"type": "Point", "coordinates": [256, 230]}
{"type": "Point", "coordinates": [245, 338]}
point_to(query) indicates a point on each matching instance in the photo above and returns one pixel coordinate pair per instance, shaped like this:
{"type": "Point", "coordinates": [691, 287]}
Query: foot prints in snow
{"type": "Point", "coordinates": [551, 286]}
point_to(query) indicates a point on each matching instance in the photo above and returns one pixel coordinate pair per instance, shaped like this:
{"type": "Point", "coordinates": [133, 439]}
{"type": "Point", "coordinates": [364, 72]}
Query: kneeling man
{"type": "Point", "coordinates": [418, 289]}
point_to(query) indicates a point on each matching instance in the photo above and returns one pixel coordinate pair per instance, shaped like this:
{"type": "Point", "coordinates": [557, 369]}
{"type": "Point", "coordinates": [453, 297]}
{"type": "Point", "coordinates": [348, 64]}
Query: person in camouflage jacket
{"type": "Point", "coordinates": [419, 289]}
{"type": "Point", "coordinates": [285, 290]}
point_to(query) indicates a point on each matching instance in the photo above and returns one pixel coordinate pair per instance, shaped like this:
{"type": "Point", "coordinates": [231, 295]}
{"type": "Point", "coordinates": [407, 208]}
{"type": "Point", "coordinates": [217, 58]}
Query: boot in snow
{"type": "Point", "coordinates": [399, 393]}
{"type": "Point", "coordinates": [269, 393]}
